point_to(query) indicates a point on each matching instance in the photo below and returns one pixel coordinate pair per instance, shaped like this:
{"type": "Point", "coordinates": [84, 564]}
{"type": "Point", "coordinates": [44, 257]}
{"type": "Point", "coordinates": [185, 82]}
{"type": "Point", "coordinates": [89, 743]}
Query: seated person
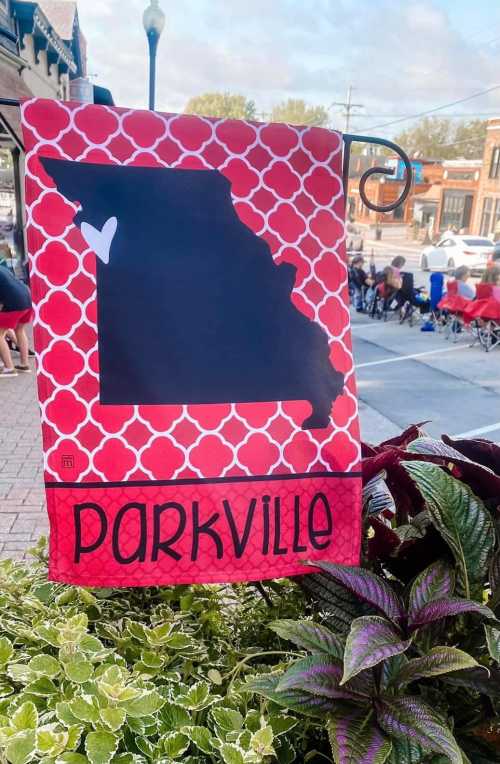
{"type": "Point", "coordinates": [465, 290]}
{"type": "Point", "coordinates": [390, 283]}
{"type": "Point", "coordinates": [15, 313]}
{"type": "Point", "coordinates": [397, 264]}
{"type": "Point", "coordinates": [492, 276]}
{"type": "Point", "coordinates": [360, 280]}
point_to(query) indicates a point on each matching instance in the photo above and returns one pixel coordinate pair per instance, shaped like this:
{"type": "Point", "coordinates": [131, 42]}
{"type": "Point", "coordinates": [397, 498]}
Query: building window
{"type": "Point", "coordinates": [495, 163]}
{"type": "Point", "coordinates": [486, 216]}
{"type": "Point", "coordinates": [461, 175]}
{"type": "Point", "coordinates": [495, 226]}
{"type": "Point", "coordinates": [452, 211]}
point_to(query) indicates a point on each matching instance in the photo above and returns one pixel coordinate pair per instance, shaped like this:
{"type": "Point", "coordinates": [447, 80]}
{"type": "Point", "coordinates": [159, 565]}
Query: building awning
{"type": "Point", "coordinates": [431, 196]}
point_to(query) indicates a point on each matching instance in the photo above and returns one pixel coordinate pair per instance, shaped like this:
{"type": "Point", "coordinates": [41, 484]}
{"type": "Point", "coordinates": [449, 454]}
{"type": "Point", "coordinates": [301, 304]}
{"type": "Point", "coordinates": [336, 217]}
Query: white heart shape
{"type": "Point", "coordinates": [100, 241]}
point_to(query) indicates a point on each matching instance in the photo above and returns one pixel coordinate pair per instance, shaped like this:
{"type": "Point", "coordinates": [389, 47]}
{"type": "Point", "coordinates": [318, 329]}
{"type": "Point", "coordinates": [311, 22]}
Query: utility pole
{"type": "Point", "coordinates": [348, 107]}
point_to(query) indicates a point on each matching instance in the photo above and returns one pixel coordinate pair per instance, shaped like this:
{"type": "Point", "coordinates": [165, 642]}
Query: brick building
{"type": "Point", "coordinates": [384, 189]}
{"type": "Point", "coordinates": [458, 199]}
{"type": "Point", "coordinates": [487, 212]}
{"type": "Point", "coordinates": [42, 49]}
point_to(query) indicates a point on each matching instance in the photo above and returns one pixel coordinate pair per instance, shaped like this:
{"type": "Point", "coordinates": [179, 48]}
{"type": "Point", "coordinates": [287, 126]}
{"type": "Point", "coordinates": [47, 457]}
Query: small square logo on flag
{"type": "Point", "coordinates": [195, 370]}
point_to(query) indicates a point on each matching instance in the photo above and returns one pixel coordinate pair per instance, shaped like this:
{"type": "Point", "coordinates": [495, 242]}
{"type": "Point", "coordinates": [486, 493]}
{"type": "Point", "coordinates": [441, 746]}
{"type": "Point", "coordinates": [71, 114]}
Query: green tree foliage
{"type": "Point", "coordinates": [229, 105]}
{"type": "Point", "coordinates": [441, 138]}
{"type": "Point", "coordinates": [470, 137]}
{"type": "Point", "coordinates": [297, 112]}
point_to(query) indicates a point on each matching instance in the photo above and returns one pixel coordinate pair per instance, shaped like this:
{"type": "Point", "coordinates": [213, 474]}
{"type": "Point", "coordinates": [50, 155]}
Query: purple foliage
{"type": "Point", "coordinates": [447, 606]}
{"type": "Point", "coordinates": [318, 675]}
{"type": "Point", "coordinates": [368, 587]}
{"type": "Point", "coordinates": [434, 583]}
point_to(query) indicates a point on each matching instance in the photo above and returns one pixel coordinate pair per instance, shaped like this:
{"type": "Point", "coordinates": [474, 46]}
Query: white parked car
{"type": "Point", "coordinates": [453, 251]}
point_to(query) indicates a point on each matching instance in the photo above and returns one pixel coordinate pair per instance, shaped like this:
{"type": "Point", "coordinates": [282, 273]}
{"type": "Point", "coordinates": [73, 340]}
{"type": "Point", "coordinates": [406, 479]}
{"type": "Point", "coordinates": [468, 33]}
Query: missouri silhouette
{"type": "Point", "coordinates": [191, 306]}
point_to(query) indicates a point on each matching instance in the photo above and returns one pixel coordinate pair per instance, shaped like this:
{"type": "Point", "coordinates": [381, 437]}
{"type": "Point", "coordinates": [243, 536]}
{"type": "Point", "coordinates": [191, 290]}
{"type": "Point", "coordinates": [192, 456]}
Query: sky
{"type": "Point", "coordinates": [402, 57]}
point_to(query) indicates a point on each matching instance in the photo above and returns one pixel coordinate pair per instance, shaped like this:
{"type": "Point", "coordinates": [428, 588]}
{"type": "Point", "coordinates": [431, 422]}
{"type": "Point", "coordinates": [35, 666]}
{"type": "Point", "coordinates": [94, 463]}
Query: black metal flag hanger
{"type": "Point", "coordinates": [348, 139]}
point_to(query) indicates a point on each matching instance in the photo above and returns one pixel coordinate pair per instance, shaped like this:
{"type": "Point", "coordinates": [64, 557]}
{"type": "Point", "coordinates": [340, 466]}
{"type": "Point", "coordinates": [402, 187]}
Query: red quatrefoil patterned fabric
{"type": "Point", "coordinates": [286, 187]}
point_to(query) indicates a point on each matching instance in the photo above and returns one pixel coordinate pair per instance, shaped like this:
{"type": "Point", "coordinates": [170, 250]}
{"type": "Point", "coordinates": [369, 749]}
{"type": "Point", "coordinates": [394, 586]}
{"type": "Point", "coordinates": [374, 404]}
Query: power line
{"type": "Point", "coordinates": [432, 111]}
{"type": "Point", "coordinates": [457, 115]}
{"type": "Point", "coordinates": [348, 107]}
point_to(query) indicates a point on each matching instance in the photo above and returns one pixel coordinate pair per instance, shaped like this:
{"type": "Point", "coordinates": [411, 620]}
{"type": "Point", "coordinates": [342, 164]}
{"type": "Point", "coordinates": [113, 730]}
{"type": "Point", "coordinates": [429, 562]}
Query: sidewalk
{"type": "Point", "coordinates": [23, 517]}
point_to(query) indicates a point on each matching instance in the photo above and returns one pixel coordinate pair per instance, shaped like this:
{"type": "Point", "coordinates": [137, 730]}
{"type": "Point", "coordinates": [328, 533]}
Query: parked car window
{"type": "Point", "coordinates": [478, 242]}
{"type": "Point", "coordinates": [448, 243]}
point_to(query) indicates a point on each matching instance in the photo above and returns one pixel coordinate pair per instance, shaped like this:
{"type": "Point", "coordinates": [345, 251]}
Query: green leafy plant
{"type": "Point", "coordinates": [403, 656]}
{"type": "Point", "coordinates": [137, 676]}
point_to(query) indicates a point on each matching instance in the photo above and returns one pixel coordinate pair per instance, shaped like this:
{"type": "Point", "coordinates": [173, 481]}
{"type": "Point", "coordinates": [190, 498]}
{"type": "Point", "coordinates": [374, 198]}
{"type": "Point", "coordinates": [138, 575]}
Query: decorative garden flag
{"type": "Point", "coordinates": [194, 357]}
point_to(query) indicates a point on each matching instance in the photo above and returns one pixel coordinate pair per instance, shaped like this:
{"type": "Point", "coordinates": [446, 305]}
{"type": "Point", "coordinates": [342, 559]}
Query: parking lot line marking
{"type": "Point", "coordinates": [409, 357]}
{"type": "Point", "coordinates": [479, 431]}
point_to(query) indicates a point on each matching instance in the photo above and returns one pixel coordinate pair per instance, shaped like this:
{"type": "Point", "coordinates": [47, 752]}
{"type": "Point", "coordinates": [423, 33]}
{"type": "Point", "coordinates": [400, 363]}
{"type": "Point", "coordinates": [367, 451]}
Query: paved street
{"type": "Point", "coordinates": [404, 376]}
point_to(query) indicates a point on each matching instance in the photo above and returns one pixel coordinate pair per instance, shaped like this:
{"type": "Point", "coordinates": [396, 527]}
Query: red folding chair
{"type": "Point", "coordinates": [484, 315]}
{"type": "Point", "coordinates": [453, 305]}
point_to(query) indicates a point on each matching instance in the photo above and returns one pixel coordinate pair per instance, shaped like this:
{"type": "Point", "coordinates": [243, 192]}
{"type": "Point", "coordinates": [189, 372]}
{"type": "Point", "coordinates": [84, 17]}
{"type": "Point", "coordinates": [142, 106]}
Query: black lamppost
{"type": "Point", "coordinates": [154, 23]}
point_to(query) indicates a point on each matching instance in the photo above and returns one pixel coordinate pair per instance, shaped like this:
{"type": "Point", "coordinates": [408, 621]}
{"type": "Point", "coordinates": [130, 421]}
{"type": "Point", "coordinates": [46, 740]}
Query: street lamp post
{"type": "Point", "coordinates": [154, 23]}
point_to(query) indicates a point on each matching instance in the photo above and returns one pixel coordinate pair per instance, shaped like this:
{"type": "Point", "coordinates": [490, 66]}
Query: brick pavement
{"type": "Point", "coordinates": [23, 516]}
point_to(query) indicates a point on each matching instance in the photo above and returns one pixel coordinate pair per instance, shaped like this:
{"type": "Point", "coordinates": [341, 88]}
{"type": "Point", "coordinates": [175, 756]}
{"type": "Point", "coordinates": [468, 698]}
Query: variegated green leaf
{"type": "Point", "coordinates": [100, 747]}
{"type": "Point", "coordinates": [461, 518]}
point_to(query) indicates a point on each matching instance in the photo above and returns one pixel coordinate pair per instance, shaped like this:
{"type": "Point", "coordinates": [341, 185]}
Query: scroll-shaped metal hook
{"type": "Point", "coordinates": [348, 140]}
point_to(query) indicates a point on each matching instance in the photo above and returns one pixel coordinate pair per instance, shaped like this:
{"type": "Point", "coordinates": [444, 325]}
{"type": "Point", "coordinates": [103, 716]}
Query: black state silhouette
{"type": "Point", "coordinates": [192, 308]}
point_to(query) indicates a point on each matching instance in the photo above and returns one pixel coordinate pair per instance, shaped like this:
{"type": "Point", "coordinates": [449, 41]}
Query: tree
{"type": "Point", "coordinates": [297, 112]}
{"type": "Point", "coordinates": [229, 105]}
{"type": "Point", "coordinates": [470, 138]}
{"type": "Point", "coordinates": [440, 138]}
{"type": "Point", "coordinates": [429, 139]}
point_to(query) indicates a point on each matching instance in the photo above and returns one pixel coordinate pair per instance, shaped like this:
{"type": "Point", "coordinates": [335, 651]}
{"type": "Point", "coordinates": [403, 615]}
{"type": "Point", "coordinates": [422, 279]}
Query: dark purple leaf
{"type": "Point", "coordinates": [376, 496]}
{"type": "Point", "coordinates": [368, 587]}
{"type": "Point", "coordinates": [477, 680]}
{"type": "Point", "coordinates": [367, 450]}
{"type": "Point", "coordinates": [478, 450]}
{"type": "Point", "coordinates": [382, 542]}
{"type": "Point", "coordinates": [406, 437]}
{"type": "Point", "coordinates": [434, 583]}
{"type": "Point", "coordinates": [411, 719]}
{"type": "Point", "coordinates": [317, 675]}
{"type": "Point", "coordinates": [371, 640]}
{"type": "Point", "coordinates": [407, 498]}
{"type": "Point", "coordinates": [417, 554]}
{"type": "Point", "coordinates": [339, 605]}
{"type": "Point", "coordinates": [356, 739]}
{"type": "Point", "coordinates": [443, 608]}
